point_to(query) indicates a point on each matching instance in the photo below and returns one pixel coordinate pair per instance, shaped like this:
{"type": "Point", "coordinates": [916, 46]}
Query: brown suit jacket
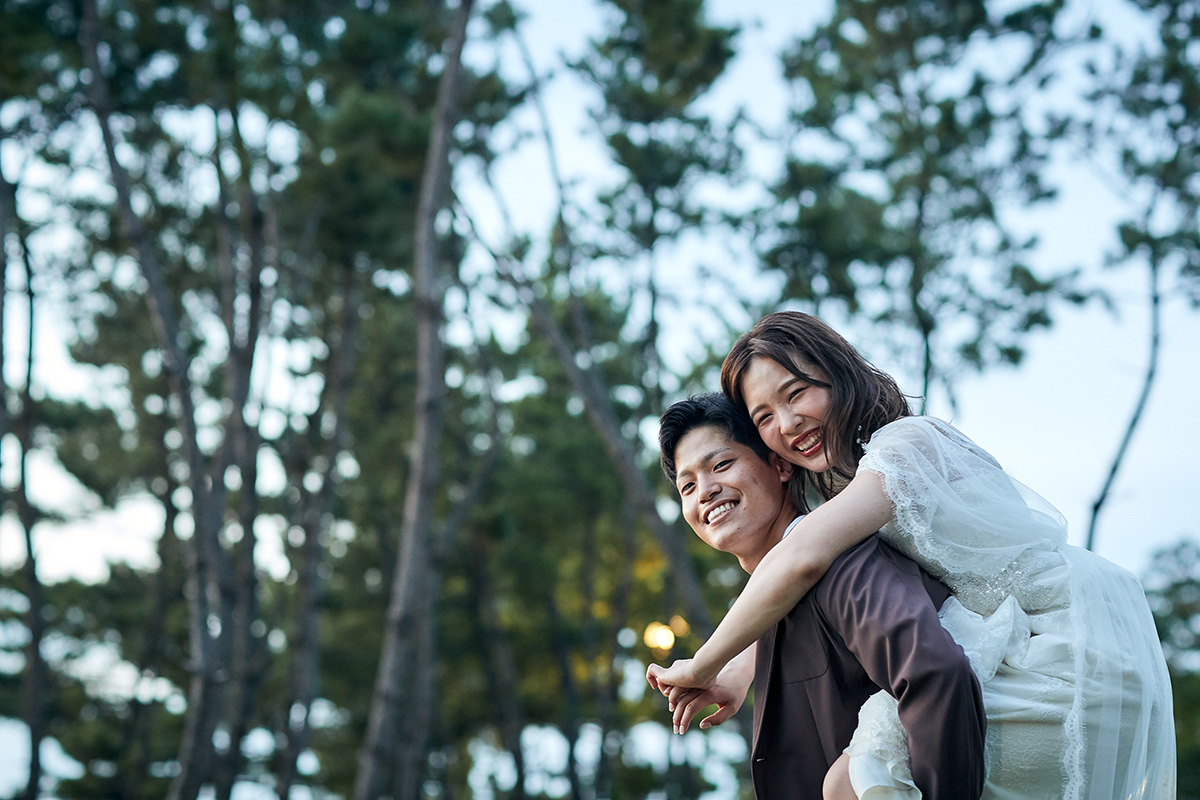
{"type": "Point", "coordinates": [871, 623]}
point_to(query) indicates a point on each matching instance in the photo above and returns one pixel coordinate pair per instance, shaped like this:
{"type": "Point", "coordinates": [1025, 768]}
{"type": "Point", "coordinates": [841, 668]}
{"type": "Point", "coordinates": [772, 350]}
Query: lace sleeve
{"type": "Point", "coordinates": [957, 512]}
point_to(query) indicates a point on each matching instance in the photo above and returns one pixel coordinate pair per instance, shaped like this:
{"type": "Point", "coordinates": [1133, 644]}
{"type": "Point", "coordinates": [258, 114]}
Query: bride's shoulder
{"type": "Point", "coordinates": [925, 433]}
{"type": "Point", "coordinates": [918, 428]}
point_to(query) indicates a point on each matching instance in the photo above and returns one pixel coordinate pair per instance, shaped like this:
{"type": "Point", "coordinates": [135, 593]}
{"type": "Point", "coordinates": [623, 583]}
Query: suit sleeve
{"type": "Point", "coordinates": [880, 608]}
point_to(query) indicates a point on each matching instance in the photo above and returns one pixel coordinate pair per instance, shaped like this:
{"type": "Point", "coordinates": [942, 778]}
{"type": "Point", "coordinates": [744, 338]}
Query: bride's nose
{"type": "Point", "coordinates": [788, 421]}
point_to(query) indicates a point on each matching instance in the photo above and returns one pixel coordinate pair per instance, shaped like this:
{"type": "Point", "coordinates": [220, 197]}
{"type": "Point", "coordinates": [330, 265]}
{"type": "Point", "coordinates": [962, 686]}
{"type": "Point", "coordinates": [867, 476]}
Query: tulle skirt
{"type": "Point", "coordinates": [1083, 723]}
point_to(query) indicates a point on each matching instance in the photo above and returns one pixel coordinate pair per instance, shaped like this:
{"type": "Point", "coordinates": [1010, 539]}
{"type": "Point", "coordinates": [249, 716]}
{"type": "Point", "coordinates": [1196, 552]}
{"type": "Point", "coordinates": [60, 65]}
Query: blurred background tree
{"type": "Point", "coordinates": [215, 282]}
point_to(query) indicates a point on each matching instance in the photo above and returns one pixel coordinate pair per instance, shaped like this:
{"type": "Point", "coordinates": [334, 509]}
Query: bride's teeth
{"type": "Point", "coordinates": [809, 443]}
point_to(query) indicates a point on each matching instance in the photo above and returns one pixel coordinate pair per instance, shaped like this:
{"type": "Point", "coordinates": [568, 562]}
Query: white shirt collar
{"type": "Point", "coordinates": [791, 525]}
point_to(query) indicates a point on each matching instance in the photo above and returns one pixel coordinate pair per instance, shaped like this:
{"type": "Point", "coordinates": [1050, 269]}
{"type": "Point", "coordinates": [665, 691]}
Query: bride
{"type": "Point", "coordinates": [1076, 689]}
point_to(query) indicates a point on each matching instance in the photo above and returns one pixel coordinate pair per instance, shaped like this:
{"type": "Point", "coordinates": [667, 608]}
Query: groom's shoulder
{"type": "Point", "coordinates": [860, 556]}
{"type": "Point", "coordinates": [873, 567]}
{"type": "Point", "coordinates": [865, 564]}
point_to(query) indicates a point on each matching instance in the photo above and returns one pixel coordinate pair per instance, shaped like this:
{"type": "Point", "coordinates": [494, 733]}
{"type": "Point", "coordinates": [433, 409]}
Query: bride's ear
{"type": "Point", "coordinates": [782, 466]}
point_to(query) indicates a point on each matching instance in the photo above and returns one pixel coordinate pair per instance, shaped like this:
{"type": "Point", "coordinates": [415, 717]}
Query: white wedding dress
{"type": "Point", "coordinates": [1074, 682]}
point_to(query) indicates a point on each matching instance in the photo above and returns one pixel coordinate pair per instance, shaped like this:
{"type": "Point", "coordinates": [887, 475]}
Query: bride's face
{"type": "Point", "coordinates": [788, 411]}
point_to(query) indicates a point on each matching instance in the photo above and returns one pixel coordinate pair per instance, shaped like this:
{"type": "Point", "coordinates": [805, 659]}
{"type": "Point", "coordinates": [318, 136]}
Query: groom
{"type": "Point", "coordinates": [871, 623]}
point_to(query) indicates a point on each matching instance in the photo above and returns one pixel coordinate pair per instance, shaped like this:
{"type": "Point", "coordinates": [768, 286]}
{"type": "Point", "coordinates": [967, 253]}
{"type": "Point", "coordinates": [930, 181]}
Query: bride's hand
{"type": "Point", "coordinates": [684, 674]}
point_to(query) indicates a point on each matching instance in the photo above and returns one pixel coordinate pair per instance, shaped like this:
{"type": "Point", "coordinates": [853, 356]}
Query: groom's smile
{"type": "Point", "coordinates": [714, 513]}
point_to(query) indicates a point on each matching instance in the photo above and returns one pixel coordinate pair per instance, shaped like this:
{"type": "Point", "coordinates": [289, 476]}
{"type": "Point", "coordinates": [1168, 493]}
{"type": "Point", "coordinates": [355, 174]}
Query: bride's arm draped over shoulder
{"type": "Point", "coordinates": [784, 576]}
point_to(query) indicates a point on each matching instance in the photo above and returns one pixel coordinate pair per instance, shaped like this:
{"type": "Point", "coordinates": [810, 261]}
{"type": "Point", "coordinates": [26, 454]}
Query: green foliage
{"type": "Point", "coordinates": [909, 137]}
{"type": "Point", "coordinates": [1173, 588]}
{"type": "Point", "coordinates": [651, 69]}
{"type": "Point", "coordinates": [98, 634]}
{"type": "Point", "coordinates": [1146, 109]}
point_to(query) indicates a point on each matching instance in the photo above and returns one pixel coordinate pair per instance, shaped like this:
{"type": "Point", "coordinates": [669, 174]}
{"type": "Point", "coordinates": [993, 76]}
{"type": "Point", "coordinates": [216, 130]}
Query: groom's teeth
{"type": "Point", "coordinates": [719, 510]}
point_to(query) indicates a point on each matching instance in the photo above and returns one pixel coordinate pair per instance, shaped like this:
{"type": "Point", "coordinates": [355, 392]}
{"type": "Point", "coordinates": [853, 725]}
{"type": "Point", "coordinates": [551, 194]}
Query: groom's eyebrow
{"type": "Point", "coordinates": [690, 468]}
{"type": "Point", "coordinates": [707, 458]}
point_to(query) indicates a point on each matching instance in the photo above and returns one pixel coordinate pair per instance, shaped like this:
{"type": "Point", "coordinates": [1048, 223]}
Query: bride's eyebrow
{"type": "Point", "coordinates": [782, 387]}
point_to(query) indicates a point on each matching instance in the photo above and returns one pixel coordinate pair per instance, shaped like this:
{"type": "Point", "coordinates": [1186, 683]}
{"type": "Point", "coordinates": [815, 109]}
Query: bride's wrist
{"type": "Point", "coordinates": [705, 668]}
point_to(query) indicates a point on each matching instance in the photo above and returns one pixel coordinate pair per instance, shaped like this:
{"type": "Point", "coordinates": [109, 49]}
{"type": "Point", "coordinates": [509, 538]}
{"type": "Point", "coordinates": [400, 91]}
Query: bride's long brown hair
{"type": "Point", "coordinates": [862, 400]}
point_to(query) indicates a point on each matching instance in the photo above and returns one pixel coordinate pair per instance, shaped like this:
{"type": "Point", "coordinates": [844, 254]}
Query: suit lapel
{"type": "Point", "coordinates": [762, 688]}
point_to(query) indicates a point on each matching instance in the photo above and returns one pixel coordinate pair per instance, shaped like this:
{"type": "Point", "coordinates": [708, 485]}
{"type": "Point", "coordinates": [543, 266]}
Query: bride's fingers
{"type": "Point", "coordinates": [654, 678]}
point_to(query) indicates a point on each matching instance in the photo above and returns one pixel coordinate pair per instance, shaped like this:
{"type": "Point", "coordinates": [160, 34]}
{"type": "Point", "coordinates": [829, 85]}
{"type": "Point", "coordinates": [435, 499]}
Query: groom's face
{"type": "Point", "coordinates": [730, 497]}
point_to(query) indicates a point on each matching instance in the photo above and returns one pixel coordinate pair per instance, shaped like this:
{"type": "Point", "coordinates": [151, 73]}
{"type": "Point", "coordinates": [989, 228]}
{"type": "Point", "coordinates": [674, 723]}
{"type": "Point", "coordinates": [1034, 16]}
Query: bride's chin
{"type": "Point", "coordinates": [796, 460]}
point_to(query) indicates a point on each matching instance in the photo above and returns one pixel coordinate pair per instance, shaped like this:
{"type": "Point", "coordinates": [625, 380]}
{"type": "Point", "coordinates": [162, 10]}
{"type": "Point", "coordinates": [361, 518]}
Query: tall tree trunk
{"type": "Point", "coordinates": [208, 568]}
{"type": "Point", "coordinates": [922, 317]}
{"type": "Point", "coordinates": [33, 678]}
{"type": "Point", "coordinates": [303, 671]}
{"type": "Point", "coordinates": [573, 713]}
{"type": "Point", "coordinates": [8, 226]}
{"type": "Point", "coordinates": [502, 678]}
{"type": "Point", "coordinates": [408, 604]}
{"type": "Point", "coordinates": [411, 738]}
{"type": "Point", "coordinates": [240, 448]}
{"type": "Point", "coordinates": [135, 732]}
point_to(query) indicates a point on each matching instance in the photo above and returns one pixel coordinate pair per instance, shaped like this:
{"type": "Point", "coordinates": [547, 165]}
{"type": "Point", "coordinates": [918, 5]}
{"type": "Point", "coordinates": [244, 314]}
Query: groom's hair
{"type": "Point", "coordinates": [698, 411]}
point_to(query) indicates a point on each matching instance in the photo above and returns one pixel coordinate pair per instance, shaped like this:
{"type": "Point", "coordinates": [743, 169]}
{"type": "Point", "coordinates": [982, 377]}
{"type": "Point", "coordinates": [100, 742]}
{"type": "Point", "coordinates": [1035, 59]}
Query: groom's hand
{"type": "Point", "coordinates": [685, 699]}
{"type": "Point", "coordinates": [685, 704]}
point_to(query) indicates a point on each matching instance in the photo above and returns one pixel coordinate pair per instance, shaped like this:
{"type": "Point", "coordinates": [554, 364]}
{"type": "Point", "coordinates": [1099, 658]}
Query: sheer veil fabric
{"type": "Point", "coordinates": [1074, 681]}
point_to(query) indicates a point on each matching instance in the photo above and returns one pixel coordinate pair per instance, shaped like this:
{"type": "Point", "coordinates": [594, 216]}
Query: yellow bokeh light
{"type": "Point", "coordinates": [679, 626]}
{"type": "Point", "coordinates": [665, 637]}
{"type": "Point", "coordinates": [659, 636]}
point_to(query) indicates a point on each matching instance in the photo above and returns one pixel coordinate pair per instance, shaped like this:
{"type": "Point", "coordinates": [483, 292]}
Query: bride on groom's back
{"type": "Point", "coordinates": [1074, 682]}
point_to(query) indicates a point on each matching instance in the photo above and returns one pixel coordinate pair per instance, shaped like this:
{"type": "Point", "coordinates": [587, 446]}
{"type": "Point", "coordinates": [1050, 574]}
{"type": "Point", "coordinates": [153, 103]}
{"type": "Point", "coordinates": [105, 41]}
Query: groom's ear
{"type": "Point", "coordinates": [782, 467]}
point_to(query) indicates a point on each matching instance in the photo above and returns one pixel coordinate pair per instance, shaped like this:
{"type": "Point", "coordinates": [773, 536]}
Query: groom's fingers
{"type": "Point", "coordinates": [687, 707]}
{"type": "Point", "coordinates": [717, 717]}
{"type": "Point", "coordinates": [675, 693]}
